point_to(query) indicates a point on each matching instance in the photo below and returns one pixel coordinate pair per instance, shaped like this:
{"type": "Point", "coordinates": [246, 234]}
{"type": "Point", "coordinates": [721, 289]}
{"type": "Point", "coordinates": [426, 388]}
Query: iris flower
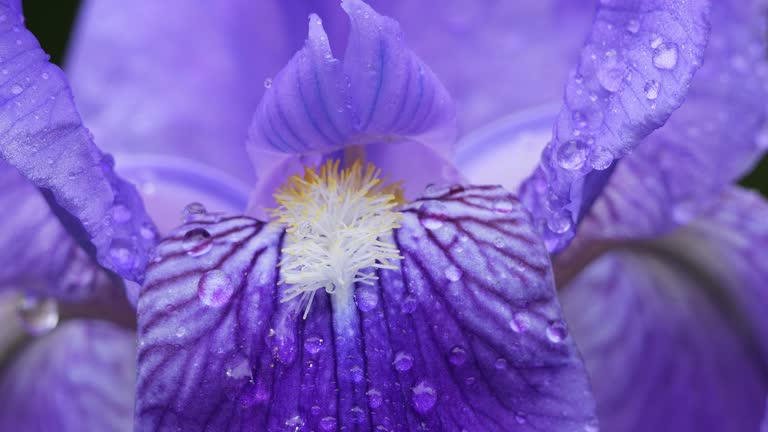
{"type": "Point", "coordinates": [356, 274]}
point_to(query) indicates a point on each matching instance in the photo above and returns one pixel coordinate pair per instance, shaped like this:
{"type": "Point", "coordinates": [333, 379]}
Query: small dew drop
{"type": "Point", "coordinates": [403, 361]}
{"type": "Point", "coordinates": [453, 273]}
{"type": "Point", "coordinates": [268, 83]}
{"type": "Point", "coordinates": [366, 298]}
{"type": "Point", "coordinates": [559, 222]}
{"type": "Point", "coordinates": [600, 158]}
{"type": "Point", "coordinates": [181, 332]}
{"type": "Point", "coordinates": [651, 89]}
{"type": "Point", "coordinates": [295, 422]}
{"type": "Point", "coordinates": [572, 154]}
{"type": "Point", "coordinates": [215, 288]}
{"type": "Point", "coordinates": [313, 344]}
{"type": "Point", "coordinates": [633, 26]}
{"type": "Point", "coordinates": [45, 75]}
{"type": "Point", "coordinates": [501, 363]}
{"type": "Point", "coordinates": [409, 304]}
{"type": "Point", "coordinates": [121, 214]}
{"type": "Point", "coordinates": [656, 41]}
{"type": "Point", "coordinates": [457, 356]}
{"type": "Point", "coordinates": [556, 332]}
{"type": "Point", "coordinates": [520, 418]}
{"type": "Point", "coordinates": [121, 256]}
{"type": "Point", "coordinates": [499, 242]}
{"type": "Point", "coordinates": [17, 89]}
{"type": "Point", "coordinates": [665, 56]}
{"type": "Point", "coordinates": [520, 322]}
{"type": "Point", "coordinates": [197, 242]}
{"type": "Point", "coordinates": [356, 372]}
{"type": "Point", "coordinates": [38, 316]}
{"type": "Point", "coordinates": [357, 414]}
{"type": "Point", "coordinates": [328, 423]}
{"type": "Point", "coordinates": [374, 398]}
{"type": "Point", "coordinates": [432, 213]}
{"type": "Point", "coordinates": [193, 211]}
{"type": "Point", "coordinates": [424, 397]}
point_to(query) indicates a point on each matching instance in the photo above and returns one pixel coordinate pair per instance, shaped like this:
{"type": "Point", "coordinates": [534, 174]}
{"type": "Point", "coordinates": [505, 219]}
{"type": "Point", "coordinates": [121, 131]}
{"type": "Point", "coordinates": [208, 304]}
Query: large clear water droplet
{"type": "Point", "coordinates": [432, 215]}
{"type": "Point", "coordinates": [572, 154]}
{"type": "Point", "coordinates": [424, 397]}
{"type": "Point", "coordinates": [403, 361]}
{"type": "Point", "coordinates": [197, 242]}
{"type": "Point", "coordinates": [600, 158]}
{"type": "Point", "coordinates": [556, 332]}
{"type": "Point", "coordinates": [520, 322]}
{"type": "Point", "coordinates": [193, 211]}
{"type": "Point", "coordinates": [38, 316]}
{"type": "Point", "coordinates": [611, 71]}
{"type": "Point", "coordinates": [215, 288]}
{"type": "Point", "coordinates": [665, 56]}
{"type": "Point", "coordinates": [559, 222]}
{"type": "Point", "coordinates": [453, 273]}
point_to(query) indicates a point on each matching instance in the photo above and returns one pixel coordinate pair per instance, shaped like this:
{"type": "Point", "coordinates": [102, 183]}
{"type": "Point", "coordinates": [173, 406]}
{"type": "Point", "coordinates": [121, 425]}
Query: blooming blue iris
{"type": "Point", "coordinates": [626, 217]}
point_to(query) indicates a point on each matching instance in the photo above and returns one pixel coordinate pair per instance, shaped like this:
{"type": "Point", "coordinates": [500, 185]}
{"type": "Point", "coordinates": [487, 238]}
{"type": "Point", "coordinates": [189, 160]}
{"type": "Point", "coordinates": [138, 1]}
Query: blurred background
{"type": "Point", "coordinates": [52, 21]}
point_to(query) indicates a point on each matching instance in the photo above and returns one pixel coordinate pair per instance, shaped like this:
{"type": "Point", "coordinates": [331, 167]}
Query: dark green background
{"type": "Point", "coordinates": [52, 20]}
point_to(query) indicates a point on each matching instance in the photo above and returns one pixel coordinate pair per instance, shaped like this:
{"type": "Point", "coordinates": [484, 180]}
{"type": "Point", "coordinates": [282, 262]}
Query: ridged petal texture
{"type": "Point", "coordinates": [674, 331]}
{"type": "Point", "coordinates": [381, 92]}
{"type": "Point", "coordinates": [79, 378]}
{"type": "Point", "coordinates": [42, 136]}
{"type": "Point", "coordinates": [40, 258]}
{"type": "Point", "coordinates": [466, 334]}
{"type": "Point", "coordinates": [634, 71]}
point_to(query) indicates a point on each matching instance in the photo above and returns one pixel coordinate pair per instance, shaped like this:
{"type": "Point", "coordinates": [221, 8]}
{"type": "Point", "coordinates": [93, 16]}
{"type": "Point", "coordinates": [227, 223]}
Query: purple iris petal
{"type": "Point", "coordinates": [706, 144]}
{"type": "Point", "coordinates": [764, 428]}
{"type": "Point", "coordinates": [466, 334]}
{"type": "Point", "coordinates": [40, 258]}
{"type": "Point", "coordinates": [674, 331]}
{"type": "Point", "coordinates": [42, 136]}
{"type": "Point", "coordinates": [383, 92]}
{"type": "Point", "coordinates": [78, 378]}
{"type": "Point", "coordinates": [634, 71]}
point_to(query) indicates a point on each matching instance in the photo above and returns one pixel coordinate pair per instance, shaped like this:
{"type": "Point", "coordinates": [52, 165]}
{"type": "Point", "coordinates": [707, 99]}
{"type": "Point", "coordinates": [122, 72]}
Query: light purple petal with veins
{"type": "Point", "coordinates": [465, 334]}
{"type": "Point", "coordinates": [78, 378]}
{"type": "Point", "coordinates": [42, 135]}
{"type": "Point", "coordinates": [674, 331]}
{"type": "Point", "coordinates": [634, 71]}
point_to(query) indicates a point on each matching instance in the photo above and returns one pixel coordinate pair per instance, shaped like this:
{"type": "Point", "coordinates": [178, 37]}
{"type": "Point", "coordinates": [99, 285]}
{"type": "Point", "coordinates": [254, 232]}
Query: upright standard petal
{"type": "Point", "coordinates": [674, 331]}
{"type": "Point", "coordinates": [465, 333]}
{"type": "Point", "coordinates": [42, 136]}
{"type": "Point", "coordinates": [77, 379]}
{"type": "Point", "coordinates": [634, 72]}
{"type": "Point", "coordinates": [707, 144]}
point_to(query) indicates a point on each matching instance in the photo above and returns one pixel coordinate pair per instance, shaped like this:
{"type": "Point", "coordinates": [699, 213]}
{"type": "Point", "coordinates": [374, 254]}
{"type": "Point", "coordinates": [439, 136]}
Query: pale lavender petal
{"type": "Point", "coordinates": [78, 378]}
{"type": "Point", "coordinates": [466, 334]}
{"type": "Point", "coordinates": [42, 135]}
{"type": "Point", "coordinates": [706, 145]}
{"type": "Point", "coordinates": [674, 331]}
{"type": "Point", "coordinates": [39, 257]}
{"type": "Point", "coordinates": [634, 71]}
{"type": "Point", "coordinates": [765, 420]}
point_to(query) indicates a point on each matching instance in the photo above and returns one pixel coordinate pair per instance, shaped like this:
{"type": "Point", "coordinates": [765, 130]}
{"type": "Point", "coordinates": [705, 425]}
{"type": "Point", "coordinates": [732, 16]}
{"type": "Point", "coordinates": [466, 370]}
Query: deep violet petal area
{"type": "Point", "coordinates": [466, 334]}
{"type": "Point", "coordinates": [634, 71]}
{"type": "Point", "coordinates": [42, 135]}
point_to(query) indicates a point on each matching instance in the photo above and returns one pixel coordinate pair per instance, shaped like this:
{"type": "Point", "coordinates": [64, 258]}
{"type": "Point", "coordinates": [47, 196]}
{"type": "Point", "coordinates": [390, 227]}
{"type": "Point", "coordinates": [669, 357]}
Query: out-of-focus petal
{"type": "Point", "coordinates": [42, 136]}
{"type": "Point", "coordinates": [39, 257]}
{"type": "Point", "coordinates": [706, 144]}
{"type": "Point", "coordinates": [634, 71]}
{"type": "Point", "coordinates": [466, 334]}
{"type": "Point", "coordinates": [77, 379]}
{"type": "Point", "coordinates": [674, 331]}
{"type": "Point", "coordinates": [765, 420]}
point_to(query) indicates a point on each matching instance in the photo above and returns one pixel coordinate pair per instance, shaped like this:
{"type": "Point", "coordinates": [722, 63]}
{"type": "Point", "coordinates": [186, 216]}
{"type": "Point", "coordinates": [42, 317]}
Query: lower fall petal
{"type": "Point", "coordinates": [673, 331]}
{"type": "Point", "coordinates": [464, 334]}
{"type": "Point", "coordinates": [79, 378]}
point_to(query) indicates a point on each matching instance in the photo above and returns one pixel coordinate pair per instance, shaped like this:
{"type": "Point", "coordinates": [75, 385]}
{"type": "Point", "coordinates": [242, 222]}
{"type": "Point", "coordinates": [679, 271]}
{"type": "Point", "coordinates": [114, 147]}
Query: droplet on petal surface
{"type": "Point", "coordinates": [453, 273]}
{"type": "Point", "coordinates": [197, 242]}
{"type": "Point", "coordinates": [572, 154]}
{"type": "Point", "coordinates": [651, 89]}
{"type": "Point", "coordinates": [17, 89]}
{"type": "Point", "coordinates": [424, 397]}
{"type": "Point", "coordinates": [193, 211]}
{"type": "Point", "coordinates": [556, 332]}
{"type": "Point", "coordinates": [328, 423]}
{"type": "Point", "coordinates": [215, 288]}
{"type": "Point", "coordinates": [366, 298]}
{"type": "Point", "coordinates": [313, 344]}
{"type": "Point", "coordinates": [38, 316]}
{"type": "Point", "coordinates": [457, 356]}
{"type": "Point", "coordinates": [665, 56]}
{"type": "Point", "coordinates": [403, 361]}
{"type": "Point", "coordinates": [600, 158]}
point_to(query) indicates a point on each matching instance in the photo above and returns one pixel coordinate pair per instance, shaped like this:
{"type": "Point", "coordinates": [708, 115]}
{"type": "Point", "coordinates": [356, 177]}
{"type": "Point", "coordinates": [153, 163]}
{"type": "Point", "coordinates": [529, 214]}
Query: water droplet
{"type": "Point", "coordinates": [611, 72]}
{"type": "Point", "coordinates": [197, 242]}
{"type": "Point", "coordinates": [633, 26]}
{"type": "Point", "coordinates": [503, 206]}
{"type": "Point", "coordinates": [424, 397]}
{"type": "Point", "coordinates": [520, 418]}
{"type": "Point", "coordinates": [559, 222]}
{"type": "Point", "coordinates": [17, 89]}
{"type": "Point", "coordinates": [457, 356]}
{"type": "Point", "coordinates": [148, 232]}
{"type": "Point", "coordinates": [356, 372]}
{"type": "Point", "coordinates": [600, 158]}
{"type": "Point", "coordinates": [499, 242]}
{"type": "Point", "coordinates": [572, 154]}
{"type": "Point", "coordinates": [409, 304]}
{"type": "Point", "coordinates": [432, 213]}
{"type": "Point", "coordinates": [45, 75]}
{"type": "Point", "coordinates": [193, 211]}
{"type": "Point", "coordinates": [121, 214]}
{"type": "Point", "coordinates": [556, 332]}
{"type": "Point", "coordinates": [38, 316]}
{"type": "Point", "coordinates": [366, 298]}
{"type": "Point", "coordinates": [453, 273]}
{"type": "Point", "coordinates": [403, 361]}
{"type": "Point", "coordinates": [121, 256]}
{"type": "Point", "coordinates": [520, 322]}
{"type": "Point", "coordinates": [181, 331]}
{"type": "Point", "coordinates": [656, 41]}
{"type": "Point", "coordinates": [328, 423]}
{"type": "Point", "coordinates": [268, 83]}
{"type": "Point", "coordinates": [315, 410]}
{"type": "Point", "coordinates": [357, 414]}
{"type": "Point", "coordinates": [295, 422]}
{"type": "Point", "coordinates": [215, 288]}
{"type": "Point", "coordinates": [651, 89]}
{"type": "Point", "coordinates": [374, 398]}
{"type": "Point", "coordinates": [313, 344]}
{"type": "Point", "coordinates": [665, 56]}
{"type": "Point", "coordinates": [501, 363]}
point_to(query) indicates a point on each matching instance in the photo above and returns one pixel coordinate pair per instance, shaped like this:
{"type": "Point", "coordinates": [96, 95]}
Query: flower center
{"type": "Point", "coordinates": [337, 220]}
